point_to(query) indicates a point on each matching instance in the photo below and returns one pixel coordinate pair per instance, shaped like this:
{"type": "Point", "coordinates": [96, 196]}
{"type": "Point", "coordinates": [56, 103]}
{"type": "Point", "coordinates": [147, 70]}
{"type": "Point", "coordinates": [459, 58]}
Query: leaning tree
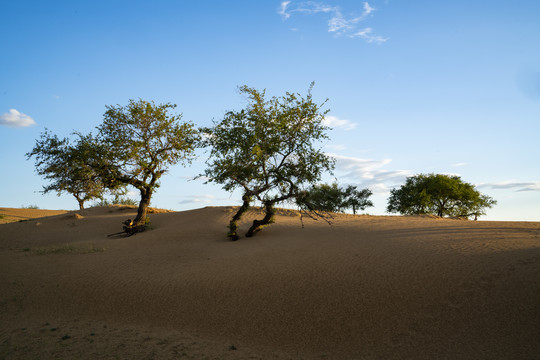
{"type": "Point", "coordinates": [137, 143]}
{"type": "Point", "coordinates": [437, 194]}
{"type": "Point", "coordinates": [268, 150]}
{"type": "Point", "coordinates": [66, 165]}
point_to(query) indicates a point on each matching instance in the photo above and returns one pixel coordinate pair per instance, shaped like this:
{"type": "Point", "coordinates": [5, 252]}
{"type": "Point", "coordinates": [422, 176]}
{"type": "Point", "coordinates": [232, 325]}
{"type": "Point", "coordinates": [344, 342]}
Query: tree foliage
{"type": "Point", "coordinates": [268, 150]}
{"type": "Point", "coordinates": [332, 198]}
{"type": "Point", "coordinates": [441, 195]}
{"type": "Point", "coordinates": [137, 143]}
{"type": "Point", "coordinates": [66, 166]}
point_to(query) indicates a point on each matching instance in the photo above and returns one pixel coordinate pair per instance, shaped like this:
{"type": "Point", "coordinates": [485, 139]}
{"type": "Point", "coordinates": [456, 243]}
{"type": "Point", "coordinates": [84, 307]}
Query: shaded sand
{"type": "Point", "coordinates": [365, 288]}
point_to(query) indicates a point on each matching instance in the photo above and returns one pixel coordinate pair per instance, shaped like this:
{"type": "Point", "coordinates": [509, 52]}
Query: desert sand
{"type": "Point", "coordinates": [367, 287]}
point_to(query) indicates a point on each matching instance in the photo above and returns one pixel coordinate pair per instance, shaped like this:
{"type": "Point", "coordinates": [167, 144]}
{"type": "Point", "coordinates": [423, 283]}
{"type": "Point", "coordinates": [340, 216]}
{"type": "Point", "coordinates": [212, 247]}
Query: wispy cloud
{"type": "Point", "coordinates": [14, 118]}
{"type": "Point", "coordinates": [283, 10]}
{"type": "Point", "coordinates": [338, 24]}
{"type": "Point", "coordinates": [335, 122]}
{"type": "Point", "coordinates": [516, 185]}
{"type": "Point", "coordinates": [369, 173]}
{"type": "Point", "coordinates": [191, 199]}
{"type": "Point", "coordinates": [366, 35]}
{"type": "Point", "coordinates": [459, 164]}
{"type": "Point", "coordinates": [367, 9]}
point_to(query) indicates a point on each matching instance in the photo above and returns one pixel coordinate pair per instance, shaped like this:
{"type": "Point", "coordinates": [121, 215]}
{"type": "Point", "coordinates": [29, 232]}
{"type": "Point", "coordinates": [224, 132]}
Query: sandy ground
{"type": "Point", "coordinates": [367, 287]}
{"type": "Point", "coordinates": [8, 215]}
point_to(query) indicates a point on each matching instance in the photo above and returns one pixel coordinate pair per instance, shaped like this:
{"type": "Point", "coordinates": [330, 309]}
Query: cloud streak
{"type": "Point", "coordinates": [192, 199]}
{"type": "Point", "coordinates": [369, 173]}
{"type": "Point", "coordinates": [14, 118]}
{"type": "Point", "coordinates": [513, 185]}
{"type": "Point", "coordinates": [338, 24]}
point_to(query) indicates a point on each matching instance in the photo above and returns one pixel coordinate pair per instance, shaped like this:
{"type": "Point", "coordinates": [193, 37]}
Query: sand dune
{"type": "Point", "coordinates": [367, 287]}
{"type": "Point", "coordinates": [8, 215]}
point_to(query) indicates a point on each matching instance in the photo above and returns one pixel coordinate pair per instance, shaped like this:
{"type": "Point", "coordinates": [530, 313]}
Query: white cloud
{"type": "Point", "coordinates": [283, 10]}
{"type": "Point", "coordinates": [338, 23]}
{"type": "Point", "coordinates": [369, 173]}
{"type": "Point", "coordinates": [459, 164]}
{"type": "Point", "coordinates": [14, 118]}
{"type": "Point", "coordinates": [335, 122]}
{"type": "Point", "coordinates": [517, 185]}
{"type": "Point", "coordinates": [366, 34]}
{"type": "Point", "coordinates": [367, 9]}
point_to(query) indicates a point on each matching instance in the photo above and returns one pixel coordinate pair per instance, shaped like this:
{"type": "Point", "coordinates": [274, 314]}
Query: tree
{"type": "Point", "coordinates": [137, 143]}
{"type": "Point", "coordinates": [66, 165]}
{"type": "Point", "coordinates": [267, 150]}
{"type": "Point", "coordinates": [357, 199]}
{"type": "Point", "coordinates": [332, 198]}
{"type": "Point", "coordinates": [441, 195]}
{"type": "Point", "coordinates": [323, 197]}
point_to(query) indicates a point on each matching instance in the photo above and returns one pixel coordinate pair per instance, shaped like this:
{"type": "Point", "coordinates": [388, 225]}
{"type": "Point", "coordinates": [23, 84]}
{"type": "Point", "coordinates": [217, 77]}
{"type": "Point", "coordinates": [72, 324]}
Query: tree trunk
{"type": "Point", "coordinates": [354, 210]}
{"type": "Point", "coordinates": [268, 219]}
{"type": "Point", "coordinates": [233, 225]}
{"type": "Point", "coordinates": [80, 201]}
{"type": "Point", "coordinates": [146, 195]}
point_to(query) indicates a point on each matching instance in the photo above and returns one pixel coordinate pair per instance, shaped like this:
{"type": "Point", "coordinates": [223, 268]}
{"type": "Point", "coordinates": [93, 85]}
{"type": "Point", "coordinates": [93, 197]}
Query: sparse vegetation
{"type": "Point", "coordinates": [117, 200]}
{"type": "Point", "coordinates": [35, 207]}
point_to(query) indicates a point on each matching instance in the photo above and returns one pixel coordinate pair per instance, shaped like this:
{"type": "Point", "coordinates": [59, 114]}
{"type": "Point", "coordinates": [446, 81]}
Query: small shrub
{"type": "Point", "coordinates": [118, 200]}
{"type": "Point", "coordinates": [30, 207]}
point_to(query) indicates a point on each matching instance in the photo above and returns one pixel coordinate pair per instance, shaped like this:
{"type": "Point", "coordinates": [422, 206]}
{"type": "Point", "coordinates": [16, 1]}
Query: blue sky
{"type": "Point", "coordinates": [413, 86]}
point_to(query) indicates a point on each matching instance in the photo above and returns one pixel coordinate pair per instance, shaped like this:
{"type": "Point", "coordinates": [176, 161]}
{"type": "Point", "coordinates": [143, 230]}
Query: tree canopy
{"type": "Point", "coordinates": [332, 198]}
{"type": "Point", "coordinates": [137, 143]}
{"type": "Point", "coordinates": [66, 165]}
{"type": "Point", "coordinates": [268, 150]}
{"type": "Point", "coordinates": [437, 194]}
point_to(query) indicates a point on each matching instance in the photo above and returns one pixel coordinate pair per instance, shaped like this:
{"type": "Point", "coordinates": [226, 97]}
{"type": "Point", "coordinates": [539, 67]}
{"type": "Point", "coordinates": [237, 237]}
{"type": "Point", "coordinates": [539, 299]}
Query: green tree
{"type": "Point", "coordinates": [332, 198]}
{"type": "Point", "coordinates": [441, 195]}
{"type": "Point", "coordinates": [137, 143]}
{"type": "Point", "coordinates": [356, 199]}
{"type": "Point", "coordinates": [322, 197]}
{"type": "Point", "coordinates": [66, 166]}
{"type": "Point", "coordinates": [267, 150]}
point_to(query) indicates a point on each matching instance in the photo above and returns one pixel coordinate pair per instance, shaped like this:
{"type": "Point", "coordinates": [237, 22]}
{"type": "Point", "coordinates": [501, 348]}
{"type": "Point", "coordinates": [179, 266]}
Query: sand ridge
{"type": "Point", "coordinates": [366, 287]}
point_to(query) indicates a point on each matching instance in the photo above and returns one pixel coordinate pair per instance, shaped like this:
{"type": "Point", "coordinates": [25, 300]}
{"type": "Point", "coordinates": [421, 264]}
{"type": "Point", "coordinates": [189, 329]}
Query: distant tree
{"type": "Point", "coordinates": [441, 195]}
{"type": "Point", "coordinates": [322, 197]}
{"type": "Point", "coordinates": [267, 150]}
{"type": "Point", "coordinates": [137, 143]}
{"type": "Point", "coordinates": [332, 198]}
{"type": "Point", "coordinates": [66, 165]}
{"type": "Point", "coordinates": [357, 199]}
